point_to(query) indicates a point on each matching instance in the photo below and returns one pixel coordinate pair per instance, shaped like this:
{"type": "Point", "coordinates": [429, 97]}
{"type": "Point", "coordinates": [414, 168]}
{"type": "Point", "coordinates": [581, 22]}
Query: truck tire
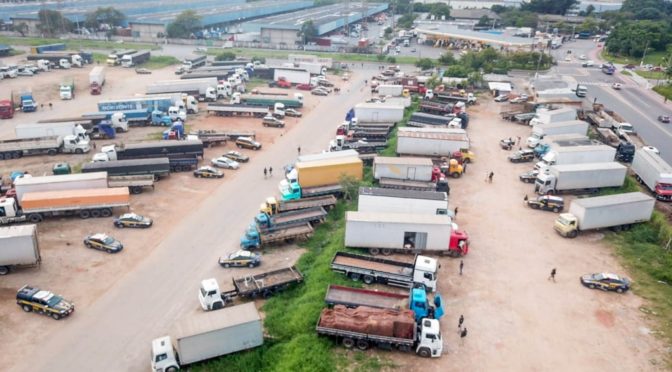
{"type": "Point", "coordinates": [79, 151]}
{"type": "Point", "coordinates": [135, 190]}
{"type": "Point", "coordinates": [368, 279]}
{"type": "Point", "coordinates": [16, 155]}
{"type": "Point", "coordinates": [386, 251]}
{"type": "Point", "coordinates": [348, 343]}
{"type": "Point", "coordinates": [52, 152]}
{"type": "Point", "coordinates": [573, 234]}
{"type": "Point", "coordinates": [95, 213]}
{"type": "Point", "coordinates": [424, 352]}
{"type": "Point", "coordinates": [84, 214]}
{"type": "Point", "coordinates": [4, 270]}
{"type": "Point", "coordinates": [171, 369]}
{"type": "Point", "coordinates": [35, 218]}
{"type": "Point", "coordinates": [105, 212]}
{"type": "Point", "coordinates": [354, 276]}
{"type": "Point", "coordinates": [2, 155]}
{"type": "Point", "coordinates": [374, 251]}
{"type": "Point", "coordinates": [362, 344]}
{"type": "Point", "coordinates": [27, 308]}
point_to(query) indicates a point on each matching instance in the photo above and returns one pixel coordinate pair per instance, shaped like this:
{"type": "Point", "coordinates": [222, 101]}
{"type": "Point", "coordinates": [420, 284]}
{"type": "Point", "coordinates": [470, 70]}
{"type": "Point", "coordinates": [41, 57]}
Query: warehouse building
{"type": "Point", "coordinates": [446, 35]}
{"type": "Point", "coordinates": [284, 29]}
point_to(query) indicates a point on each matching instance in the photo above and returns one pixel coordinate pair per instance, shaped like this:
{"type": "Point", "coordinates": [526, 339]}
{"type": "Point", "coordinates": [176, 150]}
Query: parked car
{"type": "Point", "coordinates": [247, 143]}
{"type": "Point", "coordinates": [270, 121]}
{"type": "Point", "coordinates": [502, 98]}
{"type": "Point", "coordinates": [304, 87]}
{"type": "Point", "coordinates": [293, 113]}
{"type": "Point", "coordinates": [507, 143]}
{"type": "Point", "coordinates": [25, 72]}
{"type": "Point", "coordinates": [616, 86]}
{"type": "Point", "coordinates": [319, 92]}
{"type": "Point", "coordinates": [547, 203]}
{"type": "Point", "coordinates": [240, 258]}
{"type": "Point", "coordinates": [529, 176]}
{"type": "Point", "coordinates": [325, 83]}
{"type": "Point", "coordinates": [208, 172]}
{"type": "Point", "coordinates": [588, 63]}
{"type": "Point", "coordinates": [132, 220]}
{"type": "Point", "coordinates": [522, 156]}
{"type": "Point", "coordinates": [664, 119]}
{"type": "Point", "coordinates": [582, 57]}
{"type": "Point", "coordinates": [235, 155]}
{"type": "Point", "coordinates": [33, 299]}
{"type": "Point", "coordinates": [224, 162]}
{"type": "Point", "coordinates": [142, 71]}
{"type": "Point", "coordinates": [103, 242]}
{"type": "Point", "coordinates": [606, 282]}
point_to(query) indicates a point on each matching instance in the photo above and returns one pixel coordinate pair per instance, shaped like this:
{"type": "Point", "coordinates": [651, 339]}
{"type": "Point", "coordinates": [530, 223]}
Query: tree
{"type": "Point", "coordinates": [440, 10]}
{"type": "Point", "coordinates": [184, 24]}
{"type": "Point", "coordinates": [109, 16]}
{"type": "Point", "coordinates": [22, 28]}
{"type": "Point", "coordinates": [457, 71]}
{"type": "Point", "coordinates": [406, 21]}
{"type": "Point", "coordinates": [52, 22]}
{"type": "Point", "coordinates": [350, 187]}
{"type": "Point", "coordinates": [388, 32]}
{"type": "Point", "coordinates": [483, 21]}
{"type": "Point", "coordinates": [548, 6]}
{"type": "Point", "coordinates": [308, 31]}
{"type": "Point", "coordinates": [519, 18]}
{"type": "Point", "coordinates": [425, 64]}
{"type": "Point", "coordinates": [225, 56]}
{"type": "Point", "coordinates": [447, 59]}
{"type": "Point", "coordinates": [630, 38]}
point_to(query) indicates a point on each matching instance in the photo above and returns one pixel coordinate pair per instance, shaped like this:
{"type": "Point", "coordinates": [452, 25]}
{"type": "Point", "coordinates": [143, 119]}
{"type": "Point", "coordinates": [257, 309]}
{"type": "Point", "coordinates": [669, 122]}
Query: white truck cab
{"type": "Point", "coordinates": [298, 97]}
{"type": "Point", "coordinates": [175, 113]}
{"type": "Point", "coordinates": [279, 110]}
{"type": "Point", "coordinates": [76, 144]}
{"type": "Point", "coordinates": [209, 295]}
{"type": "Point", "coordinates": [430, 343]}
{"type": "Point", "coordinates": [64, 63]}
{"type": "Point", "coordinates": [425, 272]}
{"type": "Point", "coordinates": [119, 122]}
{"type": "Point", "coordinates": [164, 357]}
{"type": "Point", "coordinates": [224, 89]}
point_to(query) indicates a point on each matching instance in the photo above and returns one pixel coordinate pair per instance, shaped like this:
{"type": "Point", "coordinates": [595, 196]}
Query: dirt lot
{"type": "Point", "coordinates": [517, 320]}
{"type": "Point", "coordinates": [84, 275]}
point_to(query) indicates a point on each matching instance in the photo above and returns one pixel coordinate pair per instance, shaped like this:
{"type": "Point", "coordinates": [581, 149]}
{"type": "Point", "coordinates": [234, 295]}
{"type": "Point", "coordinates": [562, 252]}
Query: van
{"type": "Point", "coordinates": [247, 143]}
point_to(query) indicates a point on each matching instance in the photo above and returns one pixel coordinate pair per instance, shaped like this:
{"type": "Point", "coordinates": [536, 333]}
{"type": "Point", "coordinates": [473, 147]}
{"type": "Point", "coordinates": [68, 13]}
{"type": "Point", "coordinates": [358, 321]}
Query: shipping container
{"type": "Point", "coordinates": [377, 113]}
{"type": "Point", "coordinates": [18, 247]}
{"type": "Point", "coordinates": [80, 181]}
{"type": "Point", "coordinates": [597, 152]}
{"type": "Point", "coordinates": [328, 172]}
{"type": "Point", "coordinates": [434, 142]}
{"type": "Point", "coordinates": [54, 200]}
{"type": "Point", "coordinates": [405, 168]}
{"type": "Point", "coordinates": [580, 177]}
{"type": "Point", "coordinates": [381, 200]}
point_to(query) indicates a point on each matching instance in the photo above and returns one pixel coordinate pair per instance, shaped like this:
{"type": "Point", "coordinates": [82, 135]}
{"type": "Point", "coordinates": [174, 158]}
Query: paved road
{"type": "Point", "coordinates": [638, 105]}
{"type": "Point", "coordinates": [114, 334]}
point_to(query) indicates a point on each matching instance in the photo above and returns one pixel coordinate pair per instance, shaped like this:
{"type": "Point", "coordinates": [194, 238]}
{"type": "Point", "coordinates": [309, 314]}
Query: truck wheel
{"type": "Point", "coordinates": [27, 308]}
{"type": "Point", "coordinates": [171, 369]}
{"type": "Point", "coordinates": [386, 252]}
{"type": "Point", "coordinates": [95, 213]}
{"type": "Point", "coordinates": [639, 179]}
{"type": "Point", "coordinates": [354, 276]}
{"type": "Point", "coordinates": [105, 212]}
{"type": "Point", "coordinates": [217, 305]}
{"type": "Point", "coordinates": [556, 209]}
{"type": "Point", "coordinates": [573, 234]}
{"type": "Point", "coordinates": [368, 279]}
{"type": "Point", "coordinates": [424, 352]}
{"type": "Point", "coordinates": [362, 344]}
{"type": "Point", "coordinates": [374, 251]}
{"type": "Point", "coordinates": [4, 270]}
{"type": "Point", "coordinates": [52, 152]}
{"type": "Point", "coordinates": [84, 214]}
{"type": "Point", "coordinates": [455, 175]}
{"type": "Point", "coordinates": [135, 190]}
{"type": "Point", "coordinates": [35, 218]}
{"type": "Point", "coordinates": [2, 156]}
{"type": "Point", "coordinates": [16, 155]}
{"type": "Point", "coordinates": [79, 151]}
{"type": "Point", "coordinates": [348, 343]}
{"type": "Point", "coordinates": [55, 316]}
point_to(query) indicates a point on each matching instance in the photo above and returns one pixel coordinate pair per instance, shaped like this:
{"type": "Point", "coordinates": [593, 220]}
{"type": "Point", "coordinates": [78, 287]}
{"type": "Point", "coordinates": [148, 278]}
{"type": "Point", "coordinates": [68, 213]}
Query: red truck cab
{"type": "Point", "coordinates": [6, 109]}
{"type": "Point", "coordinates": [664, 191]}
{"type": "Point", "coordinates": [459, 243]}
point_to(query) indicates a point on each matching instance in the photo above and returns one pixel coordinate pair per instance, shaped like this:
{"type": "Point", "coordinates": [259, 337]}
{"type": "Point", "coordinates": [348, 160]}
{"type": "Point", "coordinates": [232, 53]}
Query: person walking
{"type": "Point", "coordinates": [460, 321]}
{"type": "Point", "coordinates": [492, 174]}
{"type": "Point", "coordinates": [51, 107]}
{"type": "Point", "coordinates": [298, 149]}
{"type": "Point", "coordinates": [265, 171]}
{"type": "Point", "coordinates": [270, 171]}
{"type": "Point", "coordinates": [461, 266]}
{"type": "Point", "coordinates": [463, 334]}
{"type": "Point", "coordinates": [518, 141]}
{"type": "Point", "coordinates": [455, 213]}
{"type": "Point", "coordinates": [552, 276]}
{"type": "Point", "coordinates": [525, 199]}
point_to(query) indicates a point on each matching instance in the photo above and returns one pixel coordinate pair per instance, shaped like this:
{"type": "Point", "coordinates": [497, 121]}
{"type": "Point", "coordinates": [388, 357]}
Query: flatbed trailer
{"type": "Point", "coordinates": [16, 148]}
{"type": "Point", "coordinates": [324, 201]}
{"type": "Point", "coordinates": [300, 216]}
{"type": "Point", "coordinates": [135, 183]}
{"type": "Point", "coordinates": [374, 269]}
{"type": "Point", "coordinates": [264, 284]}
{"type": "Point", "coordinates": [238, 110]}
{"type": "Point", "coordinates": [285, 233]}
{"type": "Point", "coordinates": [392, 183]}
{"type": "Point", "coordinates": [334, 190]}
{"type": "Point", "coordinates": [355, 297]}
{"type": "Point", "coordinates": [375, 135]}
{"type": "Point", "coordinates": [209, 137]}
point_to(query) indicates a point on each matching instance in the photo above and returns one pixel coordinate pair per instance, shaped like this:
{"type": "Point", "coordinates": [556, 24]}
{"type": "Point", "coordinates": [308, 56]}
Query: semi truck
{"type": "Point", "coordinates": [60, 60]}
{"type": "Point", "coordinates": [211, 137]}
{"type": "Point", "coordinates": [62, 182]}
{"type": "Point", "coordinates": [256, 238]}
{"type": "Point", "coordinates": [67, 89]}
{"type": "Point", "coordinates": [203, 89]}
{"type": "Point", "coordinates": [546, 116]}
{"type": "Point", "coordinates": [421, 119]}
{"type": "Point", "coordinates": [405, 168]}
{"type": "Point", "coordinates": [654, 172]}
{"type": "Point", "coordinates": [382, 200]}
{"type": "Point", "coordinates": [323, 177]}
{"type": "Point", "coordinates": [199, 337]}
{"type": "Point", "coordinates": [6, 109]}
{"type": "Point", "coordinates": [97, 80]}
{"type": "Point", "coordinates": [18, 247]}
{"type": "Point", "coordinates": [134, 59]}
{"type": "Point", "coordinates": [249, 286]}
{"type": "Point", "coordinates": [387, 233]}
{"type": "Point", "coordinates": [467, 98]}
{"type": "Point", "coordinates": [163, 103]}
{"type": "Point", "coordinates": [67, 130]}
{"type": "Point", "coordinates": [47, 48]}
{"type": "Point", "coordinates": [377, 113]}
{"type": "Point", "coordinates": [85, 203]}
{"type": "Point", "coordinates": [153, 149]}
{"type": "Point", "coordinates": [295, 101]}
{"type": "Point", "coordinates": [544, 145]}
{"type": "Point", "coordinates": [580, 178]}
{"type": "Point", "coordinates": [273, 206]}
{"type": "Point", "coordinates": [85, 57]}
{"type": "Point", "coordinates": [239, 110]}
{"type": "Point", "coordinates": [436, 108]}
{"type": "Point", "coordinates": [564, 127]}
{"type": "Point", "coordinates": [114, 58]}
{"type": "Point", "coordinates": [292, 75]}
{"type": "Point", "coordinates": [120, 120]}
{"type": "Point", "coordinates": [155, 167]}
{"type": "Point", "coordinates": [422, 272]}
{"type": "Point", "coordinates": [596, 152]}
{"type": "Point", "coordinates": [312, 215]}
{"type": "Point", "coordinates": [389, 90]}
{"type": "Point", "coordinates": [433, 142]}
{"type": "Point", "coordinates": [291, 190]}
{"type": "Point", "coordinates": [617, 212]}
{"type": "Point", "coordinates": [191, 63]}
{"type": "Point", "coordinates": [16, 148]}
{"type": "Point", "coordinates": [313, 68]}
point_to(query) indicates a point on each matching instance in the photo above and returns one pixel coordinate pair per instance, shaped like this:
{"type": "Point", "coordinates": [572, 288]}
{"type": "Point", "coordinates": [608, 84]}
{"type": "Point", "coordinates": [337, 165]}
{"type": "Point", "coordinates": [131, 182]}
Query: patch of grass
{"type": "Point", "coordinates": [75, 44]}
{"type": "Point", "coordinates": [156, 136]}
{"type": "Point", "coordinates": [653, 58]}
{"type": "Point", "coordinates": [158, 62]}
{"type": "Point", "coordinates": [626, 73]}
{"type": "Point", "coordinates": [279, 54]}
{"type": "Point", "coordinates": [76, 168]}
{"type": "Point", "coordinates": [630, 185]}
{"type": "Point", "coordinates": [653, 75]}
{"type": "Point", "coordinates": [99, 58]}
{"type": "Point", "coordinates": [16, 52]}
{"type": "Point", "coordinates": [256, 83]}
{"type": "Point", "coordinates": [664, 90]}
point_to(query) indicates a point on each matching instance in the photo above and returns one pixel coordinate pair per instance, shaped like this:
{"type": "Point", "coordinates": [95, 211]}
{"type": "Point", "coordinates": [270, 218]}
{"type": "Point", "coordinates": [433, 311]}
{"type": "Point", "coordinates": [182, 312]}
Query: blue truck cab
{"type": "Point", "coordinates": [419, 303]}
{"type": "Point", "coordinates": [290, 190]}
{"type": "Point", "coordinates": [176, 131]}
{"type": "Point", "coordinates": [28, 104]}
{"type": "Point", "coordinates": [251, 238]}
{"type": "Point", "coordinates": [160, 118]}
{"type": "Point", "coordinates": [541, 149]}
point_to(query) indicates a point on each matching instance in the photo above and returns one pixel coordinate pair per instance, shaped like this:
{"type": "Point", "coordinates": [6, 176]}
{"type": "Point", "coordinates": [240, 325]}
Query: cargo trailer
{"type": "Point", "coordinates": [433, 142]}
{"type": "Point", "coordinates": [654, 172]}
{"type": "Point", "coordinates": [381, 200]}
{"type": "Point", "coordinates": [378, 113]}
{"type": "Point", "coordinates": [539, 131]}
{"type": "Point", "coordinates": [405, 168]}
{"type": "Point", "coordinates": [580, 178]}
{"type": "Point", "coordinates": [18, 247]}
{"type": "Point", "coordinates": [596, 152]}
{"type": "Point", "coordinates": [23, 185]}
{"type": "Point", "coordinates": [156, 167]}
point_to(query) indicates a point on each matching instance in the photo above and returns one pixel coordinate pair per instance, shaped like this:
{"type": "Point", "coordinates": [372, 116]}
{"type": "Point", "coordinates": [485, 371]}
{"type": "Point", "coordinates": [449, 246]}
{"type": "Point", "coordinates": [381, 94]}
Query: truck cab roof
{"type": "Point", "coordinates": [161, 345]}
{"type": "Point", "coordinates": [425, 263]}
{"type": "Point", "coordinates": [209, 285]}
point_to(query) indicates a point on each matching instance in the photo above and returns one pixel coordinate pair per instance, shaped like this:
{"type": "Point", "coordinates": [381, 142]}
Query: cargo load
{"type": "Point", "coordinates": [328, 172]}
{"type": "Point", "coordinates": [368, 320]}
{"type": "Point", "coordinates": [80, 198]}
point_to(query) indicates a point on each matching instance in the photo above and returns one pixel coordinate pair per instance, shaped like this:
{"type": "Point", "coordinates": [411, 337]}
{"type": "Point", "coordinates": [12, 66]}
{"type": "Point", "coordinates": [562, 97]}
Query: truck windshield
{"type": "Point", "coordinates": [563, 221]}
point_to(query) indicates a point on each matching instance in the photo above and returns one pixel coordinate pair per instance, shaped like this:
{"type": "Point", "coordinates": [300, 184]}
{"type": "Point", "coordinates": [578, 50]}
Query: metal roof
{"type": "Point", "coordinates": [588, 166]}
{"type": "Point", "coordinates": [434, 133]}
{"type": "Point", "coordinates": [449, 31]}
{"type": "Point", "coordinates": [209, 321]}
{"type": "Point", "coordinates": [24, 181]}
{"type": "Point", "coordinates": [402, 160]}
{"type": "Point", "coordinates": [404, 194]}
{"type": "Point", "coordinates": [18, 230]}
{"type": "Point", "coordinates": [400, 218]}
{"type": "Point", "coordinates": [630, 197]}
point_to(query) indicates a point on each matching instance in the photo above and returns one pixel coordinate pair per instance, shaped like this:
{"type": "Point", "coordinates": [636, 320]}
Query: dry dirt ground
{"type": "Point", "coordinates": [83, 275]}
{"type": "Point", "coordinates": [517, 319]}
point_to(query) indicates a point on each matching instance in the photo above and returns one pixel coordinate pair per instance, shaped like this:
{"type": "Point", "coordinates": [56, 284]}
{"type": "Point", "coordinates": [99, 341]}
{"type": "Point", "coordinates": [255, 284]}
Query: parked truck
{"type": "Point", "coordinates": [67, 130]}
{"type": "Point", "coordinates": [388, 233]}
{"type": "Point", "coordinates": [292, 75]}
{"type": "Point", "coordinates": [97, 80]}
{"type": "Point", "coordinates": [59, 60]}
{"type": "Point", "coordinates": [194, 62]}
{"type": "Point", "coordinates": [155, 167]}
{"type": "Point", "coordinates": [546, 116]}
{"type": "Point", "coordinates": [199, 337]}
{"type": "Point", "coordinates": [114, 58]}
{"type": "Point", "coordinates": [382, 200]}
{"type": "Point", "coordinates": [544, 145]}
{"type": "Point", "coordinates": [433, 142]}
{"type": "Point", "coordinates": [596, 152]}
{"type": "Point", "coordinates": [295, 101]}
{"type": "Point", "coordinates": [63, 182]}
{"type": "Point", "coordinates": [321, 177]}
{"type": "Point", "coordinates": [405, 168]}
{"type": "Point", "coordinates": [18, 247]}
{"type": "Point", "coordinates": [239, 110]}
{"type": "Point", "coordinates": [84, 203]}
{"type": "Point", "coordinates": [436, 108]}
{"type": "Point", "coordinates": [256, 238]}
{"type": "Point", "coordinates": [421, 119]}
{"type": "Point", "coordinates": [580, 178]}
{"type": "Point", "coordinates": [16, 148]}
{"type": "Point", "coordinates": [273, 206]}
{"type": "Point", "coordinates": [67, 89]}
{"type": "Point", "coordinates": [6, 109]}
{"type": "Point", "coordinates": [377, 113]}
{"type": "Point", "coordinates": [564, 127]}
{"type": "Point", "coordinates": [203, 89]}
{"type": "Point", "coordinates": [422, 272]}
{"type": "Point", "coordinates": [389, 90]}
{"type": "Point", "coordinates": [24, 99]}
{"type": "Point", "coordinates": [249, 286]}
{"type": "Point", "coordinates": [154, 149]}
{"type": "Point", "coordinates": [654, 172]}
{"type": "Point", "coordinates": [134, 59]}
{"type": "Point", "coordinates": [312, 215]}
{"type": "Point", "coordinates": [47, 48]}
{"type": "Point", "coordinates": [617, 212]}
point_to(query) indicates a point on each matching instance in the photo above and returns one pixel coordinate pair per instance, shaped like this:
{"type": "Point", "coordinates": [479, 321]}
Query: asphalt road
{"type": "Point", "coordinates": [637, 105]}
{"type": "Point", "coordinates": [115, 333]}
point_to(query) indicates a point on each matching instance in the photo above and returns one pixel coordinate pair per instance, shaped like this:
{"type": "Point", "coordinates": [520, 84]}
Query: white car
{"type": "Point", "coordinates": [616, 86]}
{"type": "Point", "coordinates": [652, 149]}
{"type": "Point", "coordinates": [568, 59]}
{"type": "Point", "coordinates": [222, 162]}
{"type": "Point", "coordinates": [582, 57]}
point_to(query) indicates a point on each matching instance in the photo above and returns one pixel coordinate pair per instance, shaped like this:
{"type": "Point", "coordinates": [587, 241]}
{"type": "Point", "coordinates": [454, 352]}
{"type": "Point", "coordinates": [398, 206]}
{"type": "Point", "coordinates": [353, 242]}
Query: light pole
{"type": "Point", "coordinates": [644, 55]}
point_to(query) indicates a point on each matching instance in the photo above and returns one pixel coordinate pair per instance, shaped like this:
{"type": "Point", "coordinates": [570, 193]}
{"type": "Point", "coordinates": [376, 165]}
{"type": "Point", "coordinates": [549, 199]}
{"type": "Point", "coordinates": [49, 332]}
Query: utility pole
{"type": "Point", "coordinates": [644, 55]}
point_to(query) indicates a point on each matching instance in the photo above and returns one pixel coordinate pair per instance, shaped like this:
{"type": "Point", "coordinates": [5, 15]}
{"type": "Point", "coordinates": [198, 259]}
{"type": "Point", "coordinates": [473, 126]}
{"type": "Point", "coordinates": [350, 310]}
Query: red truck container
{"type": "Point", "coordinates": [6, 109]}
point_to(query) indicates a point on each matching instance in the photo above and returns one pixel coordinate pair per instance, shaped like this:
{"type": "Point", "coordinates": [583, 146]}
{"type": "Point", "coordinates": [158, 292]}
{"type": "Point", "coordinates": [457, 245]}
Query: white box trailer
{"type": "Point", "coordinates": [208, 335]}
{"type": "Point", "coordinates": [651, 170]}
{"type": "Point", "coordinates": [397, 101]}
{"type": "Point", "coordinates": [292, 75]}
{"type": "Point", "coordinates": [397, 231]}
{"type": "Point", "coordinates": [313, 68]}
{"type": "Point", "coordinates": [545, 116]}
{"type": "Point", "coordinates": [190, 86]}
{"type": "Point", "coordinates": [97, 76]}
{"type": "Point", "coordinates": [380, 200]}
{"type": "Point", "coordinates": [40, 130]}
{"type": "Point", "coordinates": [580, 177]}
{"type": "Point", "coordinates": [403, 168]}
{"type": "Point", "coordinates": [564, 127]}
{"type": "Point", "coordinates": [327, 156]}
{"type": "Point", "coordinates": [593, 153]}
{"type": "Point", "coordinates": [612, 211]}
{"type": "Point", "coordinates": [377, 113]}
{"type": "Point", "coordinates": [565, 138]}
{"type": "Point", "coordinates": [18, 247]}
{"type": "Point", "coordinates": [390, 90]}
{"type": "Point", "coordinates": [435, 142]}
{"type": "Point", "coordinates": [77, 181]}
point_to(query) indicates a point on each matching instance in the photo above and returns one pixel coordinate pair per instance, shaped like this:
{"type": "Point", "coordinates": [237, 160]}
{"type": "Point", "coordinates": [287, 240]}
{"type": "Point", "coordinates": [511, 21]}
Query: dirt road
{"type": "Point", "coordinates": [517, 320]}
